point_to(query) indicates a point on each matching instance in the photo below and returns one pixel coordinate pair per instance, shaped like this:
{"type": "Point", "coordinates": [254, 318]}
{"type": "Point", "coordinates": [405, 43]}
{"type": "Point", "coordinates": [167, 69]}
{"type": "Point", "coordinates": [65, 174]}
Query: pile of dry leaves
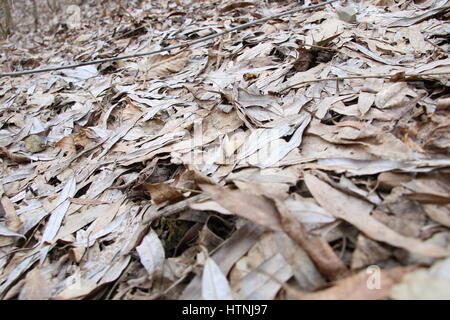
{"type": "Point", "coordinates": [302, 158]}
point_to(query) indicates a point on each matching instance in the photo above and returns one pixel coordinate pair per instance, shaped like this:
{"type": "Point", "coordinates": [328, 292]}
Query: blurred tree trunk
{"type": "Point", "coordinates": [7, 26]}
{"type": "Point", "coordinates": [35, 15]}
{"type": "Point", "coordinates": [54, 5]}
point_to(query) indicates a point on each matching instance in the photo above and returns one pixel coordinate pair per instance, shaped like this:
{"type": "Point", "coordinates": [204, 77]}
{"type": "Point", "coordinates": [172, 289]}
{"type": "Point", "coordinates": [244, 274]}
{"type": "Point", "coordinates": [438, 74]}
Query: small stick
{"type": "Point", "coordinates": [378, 76]}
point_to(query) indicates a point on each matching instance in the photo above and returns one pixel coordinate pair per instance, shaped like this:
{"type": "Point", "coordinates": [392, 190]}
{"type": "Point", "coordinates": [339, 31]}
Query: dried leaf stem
{"type": "Point", "coordinates": [370, 76]}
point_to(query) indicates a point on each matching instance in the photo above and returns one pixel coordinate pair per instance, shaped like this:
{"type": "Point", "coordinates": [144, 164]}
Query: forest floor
{"type": "Point", "coordinates": [303, 157]}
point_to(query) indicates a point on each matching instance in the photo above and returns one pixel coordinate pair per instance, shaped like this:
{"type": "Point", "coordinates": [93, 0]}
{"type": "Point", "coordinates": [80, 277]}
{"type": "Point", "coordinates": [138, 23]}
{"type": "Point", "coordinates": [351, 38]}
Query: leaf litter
{"type": "Point", "coordinates": [305, 157]}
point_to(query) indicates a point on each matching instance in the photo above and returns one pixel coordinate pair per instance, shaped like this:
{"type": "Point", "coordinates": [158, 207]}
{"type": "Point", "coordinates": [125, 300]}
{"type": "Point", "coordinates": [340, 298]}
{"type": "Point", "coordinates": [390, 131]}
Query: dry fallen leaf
{"type": "Point", "coordinates": [14, 157]}
{"type": "Point", "coordinates": [362, 286]}
{"type": "Point", "coordinates": [151, 254]}
{"type": "Point", "coordinates": [161, 192]}
{"type": "Point", "coordinates": [357, 212]}
{"type": "Point", "coordinates": [37, 286]}
{"type": "Point", "coordinates": [258, 209]}
{"type": "Point", "coordinates": [214, 284]}
{"type": "Point", "coordinates": [318, 249]}
{"type": "Point", "coordinates": [164, 65]}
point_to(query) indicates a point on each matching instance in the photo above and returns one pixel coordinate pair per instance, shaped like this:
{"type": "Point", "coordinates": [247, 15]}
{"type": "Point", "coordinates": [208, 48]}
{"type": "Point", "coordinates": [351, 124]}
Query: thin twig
{"type": "Point", "coordinates": [372, 76]}
{"type": "Point", "coordinates": [178, 46]}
